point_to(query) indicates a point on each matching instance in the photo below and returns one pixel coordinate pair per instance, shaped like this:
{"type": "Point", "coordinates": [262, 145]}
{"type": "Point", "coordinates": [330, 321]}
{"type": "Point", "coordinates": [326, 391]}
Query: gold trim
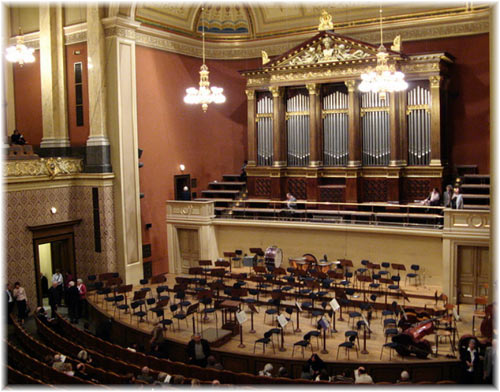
{"type": "Point", "coordinates": [376, 109]}
{"type": "Point", "coordinates": [411, 108]}
{"type": "Point", "coordinates": [76, 180]}
{"type": "Point", "coordinates": [326, 112]}
{"type": "Point", "coordinates": [258, 116]}
{"type": "Point", "coordinates": [50, 167]}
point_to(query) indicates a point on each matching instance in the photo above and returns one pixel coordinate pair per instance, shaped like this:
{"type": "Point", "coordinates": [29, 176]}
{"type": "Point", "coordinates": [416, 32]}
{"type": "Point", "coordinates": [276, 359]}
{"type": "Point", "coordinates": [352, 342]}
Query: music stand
{"type": "Point", "coordinates": [241, 317]}
{"type": "Point", "coordinates": [299, 309]}
{"type": "Point", "coordinates": [253, 310]}
{"type": "Point", "coordinates": [405, 296]}
{"type": "Point", "coordinates": [249, 261]}
{"type": "Point", "coordinates": [282, 322]}
{"type": "Point", "coordinates": [365, 326]}
{"type": "Point", "coordinates": [398, 267]}
{"type": "Point", "coordinates": [191, 310]}
{"type": "Point", "coordinates": [324, 325]}
{"type": "Point", "coordinates": [230, 256]}
{"type": "Point", "coordinates": [258, 253]}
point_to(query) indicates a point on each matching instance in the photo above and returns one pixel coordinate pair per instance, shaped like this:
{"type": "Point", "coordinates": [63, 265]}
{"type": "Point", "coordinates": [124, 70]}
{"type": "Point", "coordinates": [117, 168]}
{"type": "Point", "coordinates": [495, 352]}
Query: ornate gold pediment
{"type": "Point", "coordinates": [326, 48]}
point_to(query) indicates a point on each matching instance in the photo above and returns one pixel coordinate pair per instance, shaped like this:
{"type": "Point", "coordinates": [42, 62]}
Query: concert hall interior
{"type": "Point", "coordinates": [305, 187]}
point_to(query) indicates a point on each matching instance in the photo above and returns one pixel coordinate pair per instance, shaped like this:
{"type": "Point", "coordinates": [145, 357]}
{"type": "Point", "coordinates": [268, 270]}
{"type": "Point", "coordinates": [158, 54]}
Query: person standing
{"type": "Point", "coordinates": [457, 200]}
{"type": "Point", "coordinates": [447, 195]}
{"type": "Point", "coordinates": [73, 297]}
{"type": "Point", "coordinates": [21, 301]}
{"type": "Point", "coordinates": [58, 279]}
{"type": "Point", "coordinates": [470, 363]}
{"type": "Point", "coordinates": [82, 300]}
{"type": "Point", "coordinates": [489, 362]}
{"type": "Point", "coordinates": [45, 285]}
{"type": "Point", "coordinates": [54, 299]}
{"type": "Point", "coordinates": [10, 302]}
{"type": "Point", "coordinates": [198, 350]}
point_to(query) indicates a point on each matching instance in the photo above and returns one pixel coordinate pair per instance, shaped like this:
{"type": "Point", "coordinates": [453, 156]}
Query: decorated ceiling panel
{"type": "Point", "coordinates": [225, 19]}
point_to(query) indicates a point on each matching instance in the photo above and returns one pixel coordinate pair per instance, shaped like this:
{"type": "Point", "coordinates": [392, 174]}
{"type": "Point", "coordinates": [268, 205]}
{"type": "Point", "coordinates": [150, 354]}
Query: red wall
{"type": "Point", "coordinates": [469, 101]}
{"type": "Point", "coordinates": [171, 132]}
{"type": "Point", "coordinates": [28, 100]}
{"type": "Point", "coordinates": [78, 135]}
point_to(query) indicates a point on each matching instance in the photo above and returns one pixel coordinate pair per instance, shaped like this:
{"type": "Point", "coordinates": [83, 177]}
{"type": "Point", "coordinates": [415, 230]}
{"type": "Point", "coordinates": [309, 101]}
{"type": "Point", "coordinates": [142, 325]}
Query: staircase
{"type": "Point", "coordinates": [476, 190]}
{"type": "Point", "coordinates": [224, 192]}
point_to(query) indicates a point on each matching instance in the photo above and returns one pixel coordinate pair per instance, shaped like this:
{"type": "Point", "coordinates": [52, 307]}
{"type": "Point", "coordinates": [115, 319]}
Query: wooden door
{"type": "Point", "coordinates": [473, 270]}
{"type": "Point", "coordinates": [189, 248]}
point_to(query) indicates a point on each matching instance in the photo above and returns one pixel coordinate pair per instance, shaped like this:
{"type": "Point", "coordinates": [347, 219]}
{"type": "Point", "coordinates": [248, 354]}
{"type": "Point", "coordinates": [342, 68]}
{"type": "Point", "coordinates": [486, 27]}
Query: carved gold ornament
{"type": "Point", "coordinates": [325, 21]}
{"type": "Point", "coordinates": [265, 57]}
{"type": "Point", "coordinates": [51, 167]}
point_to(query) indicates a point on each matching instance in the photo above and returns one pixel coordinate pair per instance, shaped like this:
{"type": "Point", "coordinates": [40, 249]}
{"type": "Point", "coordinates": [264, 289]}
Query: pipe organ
{"type": "Point", "coordinates": [375, 129]}
{"type": "Point", "coordinates": [335, 127]}
{"type": "Point", "coordinates": [297, 125]}
{"type": "Point", "coordinates": [419, 125]}
{"type": "Point", "coordinates": [264, 118]}
{"type": "Point", "coordinates": [310, 127]}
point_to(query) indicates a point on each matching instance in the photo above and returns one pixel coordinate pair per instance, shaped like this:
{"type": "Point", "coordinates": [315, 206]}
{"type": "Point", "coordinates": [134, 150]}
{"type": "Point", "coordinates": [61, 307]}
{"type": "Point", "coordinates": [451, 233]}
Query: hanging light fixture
{"type": "Point", "coordinates": [204, 94]}
{"type": "Point", "coordinates": [20, 53]}
{"type": "Point", "coordinates": [384, 78]}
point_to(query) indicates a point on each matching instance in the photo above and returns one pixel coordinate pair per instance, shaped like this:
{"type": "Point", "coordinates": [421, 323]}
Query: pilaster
{"type": "Point", "coordinates": [279, 129]}
{"type": "Point", "coordinates": [53, 80]}
{"type": "Point", "coordinates": [354, 129]}
{"type": "Point", "coordinates": [121, 123]}
{"type": "Point", "coordinates": [435, 84]}
{"type": "Point", "coordinates": [252, 135]}
{"type": "Point", "coordinates": [98, 149]}
{"type": "Point", "coordinates": [314, 125]}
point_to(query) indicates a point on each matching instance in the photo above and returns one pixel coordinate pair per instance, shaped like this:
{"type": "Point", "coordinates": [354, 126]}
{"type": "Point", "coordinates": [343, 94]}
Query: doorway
{"type": "Point", "coordinates": [53, 249]}
{"type": "Point", "coordinates": [182, 186]}
{"type": "Point", "coordinates": [473, 271]}
{"type": "Point", "coordinates": [189, 248]}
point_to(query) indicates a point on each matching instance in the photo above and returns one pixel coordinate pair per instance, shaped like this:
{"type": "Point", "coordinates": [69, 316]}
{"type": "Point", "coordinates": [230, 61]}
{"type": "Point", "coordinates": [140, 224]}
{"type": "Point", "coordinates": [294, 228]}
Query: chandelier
{"type": "Point", "coordinates": [204, 94]}
{"type": "Point", "coordinates": [20, 53]}
{"type": "Point", "coordinates": [384, 78]}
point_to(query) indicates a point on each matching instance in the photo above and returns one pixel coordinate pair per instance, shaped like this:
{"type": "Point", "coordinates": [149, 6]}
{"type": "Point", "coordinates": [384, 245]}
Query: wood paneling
{"type": "Point", "coordinates": [473, 271]}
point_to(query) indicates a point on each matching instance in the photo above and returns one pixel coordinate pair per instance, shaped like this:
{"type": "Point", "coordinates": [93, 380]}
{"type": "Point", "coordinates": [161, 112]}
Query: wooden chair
{"type": "Point", "coordinates": [479, 310]}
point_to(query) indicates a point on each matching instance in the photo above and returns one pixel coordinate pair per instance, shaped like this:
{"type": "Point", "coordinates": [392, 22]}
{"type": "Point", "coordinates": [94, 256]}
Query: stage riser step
{"type": "Point", "coordinates": [231, 177]}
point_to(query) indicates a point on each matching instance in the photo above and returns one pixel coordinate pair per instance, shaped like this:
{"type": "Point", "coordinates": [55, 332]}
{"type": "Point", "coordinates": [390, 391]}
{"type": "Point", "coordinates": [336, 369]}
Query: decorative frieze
{"type": "Point", "coordinates": [51, 167]}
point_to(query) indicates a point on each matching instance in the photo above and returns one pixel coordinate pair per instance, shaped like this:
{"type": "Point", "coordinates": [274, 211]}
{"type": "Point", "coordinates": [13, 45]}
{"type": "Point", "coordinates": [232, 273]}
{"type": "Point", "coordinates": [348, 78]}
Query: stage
{"type": "Point", "coordinates": [369, 352]}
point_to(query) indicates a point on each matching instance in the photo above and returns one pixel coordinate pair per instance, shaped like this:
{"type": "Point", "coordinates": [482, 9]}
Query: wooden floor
{"type": "Point", "coordinates": [373, 344]}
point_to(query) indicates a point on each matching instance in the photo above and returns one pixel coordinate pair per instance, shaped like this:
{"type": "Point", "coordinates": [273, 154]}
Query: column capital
{"type": "Point", "coordinates": [277, 91]}
{"type": "Point", "coordinates": [435, 81]}
{"type": "Point", "coordinates": [250, 94]}
{"type": "Point", "coordinates": [351, 85]}
{"type": "Point", "coordinates": [313, 88]}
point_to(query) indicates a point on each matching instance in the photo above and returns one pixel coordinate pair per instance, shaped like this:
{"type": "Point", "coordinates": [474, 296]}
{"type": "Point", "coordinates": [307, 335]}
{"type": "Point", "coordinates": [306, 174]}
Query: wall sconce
{"type": "Point", "coordinates": [182, 167]}
{"type": "Point", "coordinates": [53, 210]}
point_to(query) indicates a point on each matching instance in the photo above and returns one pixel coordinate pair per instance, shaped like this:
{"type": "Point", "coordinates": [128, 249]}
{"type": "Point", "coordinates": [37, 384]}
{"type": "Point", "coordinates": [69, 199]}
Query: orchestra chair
{"type": "Point", "coordinates": [158, 309]}
{"type": "Point", "coordinates": [479, 310]}
{"type": "Point", "coordinates": [275, 332]}
{"type": "Point", "coordinates": [395, 284]}
{"type": "Point", "coordinates": [138, 313]}
{"type": "Point", "coordinates": [305, 342]}
{"type": "Point", "coordinates": [99, 286]}
{"type": "Point", "coordinates": [161, 289]}
{"type": "Point", "coordinates": [484, 288]}
{"type": "Point", "coordinates": [414, 275]}
{"type": "Point", "coordinates": [118, 306]}
{"type": "Point", "coordinates": [237, 258]}
{"type": "Point", "coordinates": [107, 299]}
{"type": "Point", "coordinates": [375, 286]}
{"type": "Point", "coordinates": [386, 267]}
{"type": "Point", "coordinates": [164, 322]}
{"type": "Point", "coordinates": [181, 296]}
{"type": "Point", "coordinates": [390, 332]}
{"type": "Point", "coordinates": [91, 282]}
{"type": "Point", "coordinates": [264, 341]}
{"type": "Point", "coordinates": [143, 282]}
{"type": "Point", "coordinates": [315, 314]}
{"type": "Point", "coordinates": [272, 311]}
{"type": "Point", "coordinates": [445, 333]}
{"type": "Point", "coordinates": [389, 323]}
{"type": "Point", "coordinates": [348, 345]}
{"type": "Point", "coordinates": [205, 264]}
{"type": "Point", "coordinates": [317, 334]}
{"type": "Point", "coordinates": [350, 333]}
{"type": "Point", "coordinates": [353, 316]}
{"type": "Point", "coordinates": [179, 315]}
{"type": "Point", "coordinates": [391, 346]}
{"type": "Point", "coordinates": [373, 298]}
{"type": "Point", "coordinates": [230, 256]}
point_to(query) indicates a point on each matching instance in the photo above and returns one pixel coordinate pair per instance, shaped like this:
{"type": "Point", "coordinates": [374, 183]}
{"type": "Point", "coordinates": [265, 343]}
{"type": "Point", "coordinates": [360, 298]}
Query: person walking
{"type": "Point", "coordinates": [58, 279]}
{"type": "Point", "coordinates": [54, 299]}
{"type": "Point", "coordinates": [73, 297]}
{"type": "Point", "coordinates": [82, 300]}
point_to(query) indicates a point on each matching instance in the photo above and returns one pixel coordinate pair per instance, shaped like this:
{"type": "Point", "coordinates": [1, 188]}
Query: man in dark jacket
{"type": "Point", "coordinates": [198, 350]}
{"type": "Point", "coordinates": [54, 298]}
{"type": "Point", "coordinates": [73, 298]}
{"type": "Point", "coordinates": [470, 363]}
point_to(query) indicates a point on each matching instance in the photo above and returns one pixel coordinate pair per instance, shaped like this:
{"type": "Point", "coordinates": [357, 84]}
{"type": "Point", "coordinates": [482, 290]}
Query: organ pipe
{"type": "Point", "coordinates": [419, 126]}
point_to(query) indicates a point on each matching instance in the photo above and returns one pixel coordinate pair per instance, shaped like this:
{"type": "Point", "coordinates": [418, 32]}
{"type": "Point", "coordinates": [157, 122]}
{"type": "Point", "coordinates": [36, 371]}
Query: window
{"type": "Point", "coordinates": [79, 94]}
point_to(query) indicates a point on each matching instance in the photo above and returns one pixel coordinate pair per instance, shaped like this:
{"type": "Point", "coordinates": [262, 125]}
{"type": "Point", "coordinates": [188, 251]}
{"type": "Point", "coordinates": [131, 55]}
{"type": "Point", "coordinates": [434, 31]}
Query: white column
{"type": "Point", "coordinates": [122, 131]}
{"type": "Point", "coordinates": [8, 77]}
{"type": "Point", "coordinates": [53, 77]}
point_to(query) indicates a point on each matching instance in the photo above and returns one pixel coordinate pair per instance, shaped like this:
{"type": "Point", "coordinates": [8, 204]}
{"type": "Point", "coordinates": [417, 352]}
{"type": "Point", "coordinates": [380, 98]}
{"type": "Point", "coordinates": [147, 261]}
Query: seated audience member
{"type": "Point", "coordinates": [145, 376]}
{"type": "Point", "coordinates": [432, 199]}
{"type": "Point", "coordinates": [86, 328]}
{"type": "Point", "coordinates": [195, 383]}
{"type": "Point", "coordinates": [344, 376]}
{"type": "Point", "coordinates": [130, 378]}
{"type": "Point", "coordinates": [361, 377]}
{"type": "Point", "coordinates": [198, 350]}
{"type": "Point", "coordinates": [178, 379]}
{"type": "Point", "coordinates": [404, 377]}
{"type": "Point", "coordinates": [17, 138]}
{"type": "Point", "coordinates": [58, 364]}
{"type": "Point", "coordinates": [213, 364]}
{"type": "Point", "coordinates": [48, 360]}
{"type": "Point", "coordinates": [268, 368]}
{"type": "Point", "coordinates": [322, 376]}
{"type": "Point", "coordinates": [243, 173]}
{"type": "Point", "coordinates": [68, 369]}
{"type": "Point", "coordinates": [457, 200]}
{"type": "Point", "coordinates": [80, 372]}
{"type": "Point", "coordinates": [316, 364]}
{"type": "Point", "coordinates": [84, 356]}
{"type": "Point", "coordinates": [282, 372]}
{"type": "Point", "coordinates": [447, 195]}
{"type": "Point", "coordinates": [291, 201]}
{"type": "Point", "coordinates": [215, 382]}
{"type": "Point", "coordinates": [306, 372]}
{"type": "Point", "coordinates": [163, 378]}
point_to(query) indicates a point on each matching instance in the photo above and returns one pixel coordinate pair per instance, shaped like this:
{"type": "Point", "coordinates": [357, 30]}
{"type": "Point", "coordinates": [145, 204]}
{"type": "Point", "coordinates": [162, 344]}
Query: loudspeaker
{"type": "Point", "coordinates": [141, 195]}
{"type": "Point", "coordinates": [148, 226]}
{"type": "Point", "coordinates": [140, 153]}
